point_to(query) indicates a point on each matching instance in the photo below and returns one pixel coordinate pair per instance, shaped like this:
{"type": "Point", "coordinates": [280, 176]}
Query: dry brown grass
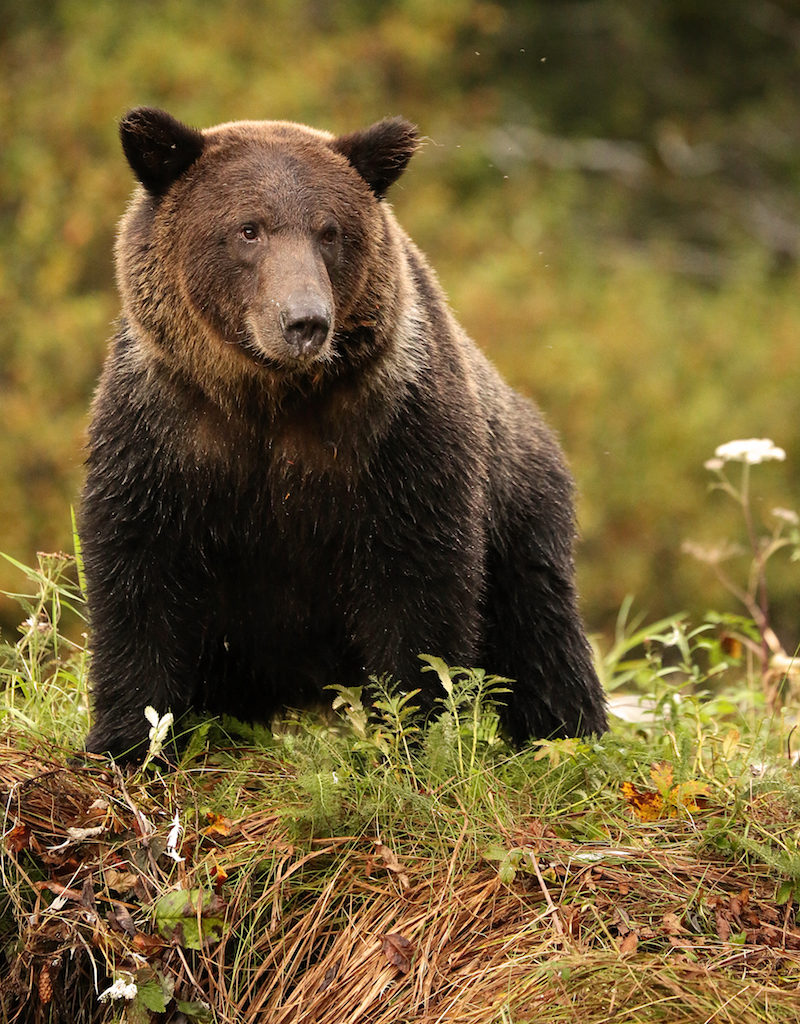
{"type": "Point", "coordinates": [345, 930]}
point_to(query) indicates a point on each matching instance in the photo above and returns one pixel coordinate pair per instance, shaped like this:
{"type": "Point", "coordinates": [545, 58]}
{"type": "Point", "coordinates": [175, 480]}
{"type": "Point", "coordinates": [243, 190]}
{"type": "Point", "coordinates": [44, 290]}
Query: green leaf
{"type": "Point", "coordinates": [151, 994]}
{"type": "Point", "coordinates": [198, 1013]}
{"type": "Point", "coordinates": [509, 865]}
{"type": "Point", "coordinates": [198, 741]}
{"type": "Point", "coordinates": [176, 918]}
{"type": "Point", "coordinates": [507, 872]}
{"type": "Point", "coordinates": [78, 549]}
{"type": "Point", "coordinates": [441, 669]}
{"type": "Point", "coordinates": [153, 990]}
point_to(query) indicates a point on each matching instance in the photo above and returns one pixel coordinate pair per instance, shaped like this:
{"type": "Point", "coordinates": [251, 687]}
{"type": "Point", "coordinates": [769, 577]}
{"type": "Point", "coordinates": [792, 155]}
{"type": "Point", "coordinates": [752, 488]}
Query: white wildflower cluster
{"type": "Point", "coordinates": [160, 727]}
{"type": "Point", "coordinates": [752, 450]}
{"type": "Point", "coordinates": [121, 989]}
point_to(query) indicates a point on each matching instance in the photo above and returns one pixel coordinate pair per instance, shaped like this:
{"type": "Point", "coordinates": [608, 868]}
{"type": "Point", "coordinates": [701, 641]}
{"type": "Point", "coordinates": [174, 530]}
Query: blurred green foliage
{"type": "Point", "coordinates": [609, 192]}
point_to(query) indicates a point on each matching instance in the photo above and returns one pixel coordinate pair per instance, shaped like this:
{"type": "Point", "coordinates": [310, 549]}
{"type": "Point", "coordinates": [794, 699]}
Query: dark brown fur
{"type": "Point", "coordinates": [301, 470]}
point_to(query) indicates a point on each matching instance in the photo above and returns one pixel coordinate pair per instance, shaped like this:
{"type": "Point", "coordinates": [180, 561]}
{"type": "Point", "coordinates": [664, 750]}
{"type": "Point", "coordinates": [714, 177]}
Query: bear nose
{"type": "Point", "coordinates": [305, 328]}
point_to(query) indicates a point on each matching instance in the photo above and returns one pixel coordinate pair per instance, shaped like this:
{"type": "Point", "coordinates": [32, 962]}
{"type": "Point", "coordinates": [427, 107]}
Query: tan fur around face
{"type": "Point", "coordinates": [192, 297]}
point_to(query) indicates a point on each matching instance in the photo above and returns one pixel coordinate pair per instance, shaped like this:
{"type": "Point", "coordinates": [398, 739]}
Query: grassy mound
{"type": "Point", "coordinates": [375, 866]}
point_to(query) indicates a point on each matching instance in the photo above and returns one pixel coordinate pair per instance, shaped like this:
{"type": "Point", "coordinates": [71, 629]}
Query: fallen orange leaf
{"type": "Point", "coordinates": [218, 824]}
{"type": "Point", "coordinates": [667, 800]}
{"type": "Point", "coordinates": [647, 804]}
{"type": "Point", "coordinates": [18, 838]}
{"type": "Point", "coordinates": [147, 945]}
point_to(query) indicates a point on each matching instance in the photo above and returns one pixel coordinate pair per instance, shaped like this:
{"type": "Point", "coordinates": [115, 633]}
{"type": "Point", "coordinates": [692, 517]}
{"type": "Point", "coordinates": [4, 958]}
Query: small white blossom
{"type": "Point", "coordinates": [786, 515]}
{"type": "Point", "coordinates": [753, 450]}
{"type": "Point", "coordinates": [173, 839]}
{"type": "Point", "coordinates": [34, 624]}
{"type": "Point", "coordinates": [121, 989]}
{"type": "Point", "coordinates": [711, 554]}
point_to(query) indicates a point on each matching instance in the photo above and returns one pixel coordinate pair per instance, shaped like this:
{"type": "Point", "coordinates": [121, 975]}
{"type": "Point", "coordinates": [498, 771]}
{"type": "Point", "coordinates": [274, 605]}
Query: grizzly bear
{"type": "Point", "coordinates": [301, 471]}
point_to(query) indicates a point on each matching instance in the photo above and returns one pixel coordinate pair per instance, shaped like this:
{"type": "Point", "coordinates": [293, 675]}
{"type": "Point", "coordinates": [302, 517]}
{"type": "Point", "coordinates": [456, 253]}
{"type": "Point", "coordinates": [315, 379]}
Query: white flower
{"type": "Point", "coordinates": [786, 515]}
{"type": "Point", "coordinates": [161, 726]}
{"type": "Point", "coordinates": [173, 839]}
{"type": "Point", "coordinates": [753, 450]}
{"type": "Point", "coordinates": [36, 625]}
{"type": "Point", "coordinates": [121, 989]}
{"type": "Point", "coordinates": [711, 554]}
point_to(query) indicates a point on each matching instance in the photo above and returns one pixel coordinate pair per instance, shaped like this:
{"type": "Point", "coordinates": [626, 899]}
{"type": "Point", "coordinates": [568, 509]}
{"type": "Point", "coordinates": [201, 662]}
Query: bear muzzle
{"type": "Point", "coordinates": [305, 325]}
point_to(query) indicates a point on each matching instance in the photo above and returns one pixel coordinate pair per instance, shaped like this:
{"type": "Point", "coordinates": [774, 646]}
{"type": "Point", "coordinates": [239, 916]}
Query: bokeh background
{"type": "Point", "coordinates": [610, 191]}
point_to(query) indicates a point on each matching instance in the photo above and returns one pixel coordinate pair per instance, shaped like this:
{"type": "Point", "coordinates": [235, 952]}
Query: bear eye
{"type": "Point", "coordinates": [249, 232]}
{"type": "Point", "coordinates": [329, 235]}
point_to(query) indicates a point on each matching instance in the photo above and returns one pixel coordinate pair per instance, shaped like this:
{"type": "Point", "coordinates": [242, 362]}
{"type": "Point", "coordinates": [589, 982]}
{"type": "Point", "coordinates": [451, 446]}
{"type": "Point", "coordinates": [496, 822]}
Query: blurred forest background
{"type": "Point", "coordinates": [610, 192]}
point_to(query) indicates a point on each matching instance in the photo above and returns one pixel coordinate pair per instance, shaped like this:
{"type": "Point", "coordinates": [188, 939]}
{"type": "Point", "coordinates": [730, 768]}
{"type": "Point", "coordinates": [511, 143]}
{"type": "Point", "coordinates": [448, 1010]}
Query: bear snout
{"type": "Point", "coordinates": [305, 325]}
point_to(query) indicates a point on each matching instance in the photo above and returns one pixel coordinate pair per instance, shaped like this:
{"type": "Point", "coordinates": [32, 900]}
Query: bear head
{"type": "Point", "coordinates": [258, 252]}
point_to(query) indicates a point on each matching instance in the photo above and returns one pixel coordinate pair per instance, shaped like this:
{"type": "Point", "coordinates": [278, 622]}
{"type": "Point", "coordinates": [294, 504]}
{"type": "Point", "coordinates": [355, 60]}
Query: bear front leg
{"type": "Point", "coordinates": [532, 626]}
{"type": "Point", "coordinates": [145, 647]}
{"type": "Point", "coordinates": [536, 639]}
{"type": "Point", "coordinates": [534, 632]}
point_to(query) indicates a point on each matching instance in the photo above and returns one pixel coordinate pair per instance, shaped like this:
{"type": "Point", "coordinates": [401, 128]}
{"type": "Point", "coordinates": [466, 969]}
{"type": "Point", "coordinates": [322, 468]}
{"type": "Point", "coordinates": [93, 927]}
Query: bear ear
{"type": "Point", "coordinates": [381, 152]}
{"type": "Point", "coordinates": [158, 147]}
